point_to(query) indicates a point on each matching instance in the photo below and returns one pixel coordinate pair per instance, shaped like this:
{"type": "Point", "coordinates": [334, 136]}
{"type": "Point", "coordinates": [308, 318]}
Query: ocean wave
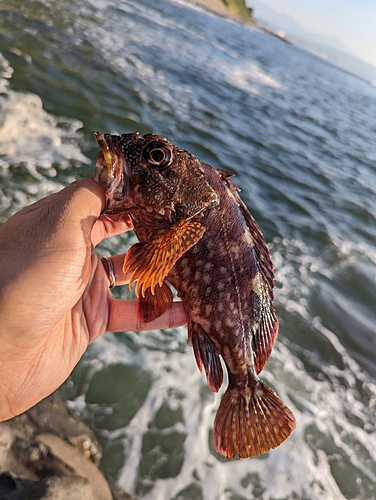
{"type": "Point", "coordinates": [36, 147]}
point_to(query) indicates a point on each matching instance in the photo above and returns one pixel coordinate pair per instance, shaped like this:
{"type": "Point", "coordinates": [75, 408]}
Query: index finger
{"type": "Point", "coordinates": [123, 317]}
{"type": "Point", "coordinates": [107, 226]}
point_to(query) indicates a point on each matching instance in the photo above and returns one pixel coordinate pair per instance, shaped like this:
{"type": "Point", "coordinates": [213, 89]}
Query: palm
{"type": "Point", "coordinates": [54, 295]}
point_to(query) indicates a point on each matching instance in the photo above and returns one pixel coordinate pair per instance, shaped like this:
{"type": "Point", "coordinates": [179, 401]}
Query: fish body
{"type": "Point", "coordinates": [196, 233]}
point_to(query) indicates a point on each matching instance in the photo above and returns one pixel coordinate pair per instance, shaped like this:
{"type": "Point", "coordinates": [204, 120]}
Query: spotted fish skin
{"type": "Point", "coordinates": [226, 281]}
{"type": "Point", "coordinates": [213, 253]}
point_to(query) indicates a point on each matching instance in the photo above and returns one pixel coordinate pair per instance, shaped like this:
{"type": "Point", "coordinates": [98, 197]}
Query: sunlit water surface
{"type": "Point", "coordinates": [300, 137]}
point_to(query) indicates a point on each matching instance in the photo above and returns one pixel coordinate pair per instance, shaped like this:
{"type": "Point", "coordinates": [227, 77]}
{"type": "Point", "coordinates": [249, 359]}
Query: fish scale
{"type": "Point", "coordinates": [196, 234]}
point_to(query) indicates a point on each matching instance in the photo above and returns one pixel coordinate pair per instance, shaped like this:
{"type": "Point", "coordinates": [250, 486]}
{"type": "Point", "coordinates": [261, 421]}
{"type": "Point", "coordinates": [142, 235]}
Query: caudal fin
{"type": "Point", "coordinates": [251, 421]}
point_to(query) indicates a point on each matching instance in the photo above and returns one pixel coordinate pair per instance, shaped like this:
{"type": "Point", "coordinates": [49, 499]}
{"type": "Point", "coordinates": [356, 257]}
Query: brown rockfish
{"type": "Point", "coordinates": [196, 234]}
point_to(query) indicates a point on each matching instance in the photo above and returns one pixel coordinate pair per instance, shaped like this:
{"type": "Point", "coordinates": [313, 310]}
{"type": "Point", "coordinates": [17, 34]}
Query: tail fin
{"type": "Point", "coordinates": [251, 421]}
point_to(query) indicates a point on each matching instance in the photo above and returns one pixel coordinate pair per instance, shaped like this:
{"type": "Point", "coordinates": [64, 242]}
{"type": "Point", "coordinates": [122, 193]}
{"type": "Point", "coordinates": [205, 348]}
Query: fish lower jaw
{"type": "Point", "coordinates": [114, 206]}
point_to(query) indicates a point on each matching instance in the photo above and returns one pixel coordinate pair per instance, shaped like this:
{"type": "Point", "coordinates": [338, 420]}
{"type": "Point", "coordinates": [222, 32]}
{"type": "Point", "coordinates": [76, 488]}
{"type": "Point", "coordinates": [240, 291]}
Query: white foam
{"type": "Point", "coordinates": [249, 76]}
{"type": "Point", "coordinates": [283, 472]}
{"type": "Point", "coordinates": [35, 140]}
{"type": "Point", "coordinates": [30, 135]}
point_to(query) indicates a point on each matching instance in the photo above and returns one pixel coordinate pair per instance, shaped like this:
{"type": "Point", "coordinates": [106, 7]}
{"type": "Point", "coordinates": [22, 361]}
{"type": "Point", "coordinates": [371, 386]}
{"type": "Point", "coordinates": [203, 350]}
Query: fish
{"type": "Point", "coordinates": [196, 234]}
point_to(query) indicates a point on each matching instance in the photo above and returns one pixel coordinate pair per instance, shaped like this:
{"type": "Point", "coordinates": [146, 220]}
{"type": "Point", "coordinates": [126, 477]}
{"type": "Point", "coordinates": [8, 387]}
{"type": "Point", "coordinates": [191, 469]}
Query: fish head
{"type": "Point", "coordinates": [148, 172]}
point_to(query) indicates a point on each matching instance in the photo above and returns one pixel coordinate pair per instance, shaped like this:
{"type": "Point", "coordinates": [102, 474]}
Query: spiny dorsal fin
{"type": "Point", "coordinates": [264, 260]}
{"type": "Point", "coordinates": [261, 248]}
{"type": "Point", "coordinates": [226, 175]}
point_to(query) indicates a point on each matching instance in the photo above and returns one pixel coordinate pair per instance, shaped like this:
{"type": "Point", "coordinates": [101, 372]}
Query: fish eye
{"type": "Point", "coordinates": [157, 154]}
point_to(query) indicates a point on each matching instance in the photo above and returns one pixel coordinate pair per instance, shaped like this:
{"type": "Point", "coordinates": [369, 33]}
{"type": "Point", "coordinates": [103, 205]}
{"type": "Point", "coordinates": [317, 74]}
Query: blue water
{"type": "Point", "coordinates": [300, 136]}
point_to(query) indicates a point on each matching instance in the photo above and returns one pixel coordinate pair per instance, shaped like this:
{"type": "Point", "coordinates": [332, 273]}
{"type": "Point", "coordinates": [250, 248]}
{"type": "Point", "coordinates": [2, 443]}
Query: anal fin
{"type": "Point", "coordinates": [251, 421]}
{"type": "Point", "coordinates": [152, 306]}
{"type": "Point", "coordinates": [206, 355]}
{"type": "Point", "coordinates": [149, 262]}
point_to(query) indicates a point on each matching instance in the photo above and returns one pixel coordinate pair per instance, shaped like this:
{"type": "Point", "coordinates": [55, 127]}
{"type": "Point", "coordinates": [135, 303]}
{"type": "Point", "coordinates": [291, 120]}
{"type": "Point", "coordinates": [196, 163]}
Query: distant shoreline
{"type": "Point", "coordinates": [218, 7]}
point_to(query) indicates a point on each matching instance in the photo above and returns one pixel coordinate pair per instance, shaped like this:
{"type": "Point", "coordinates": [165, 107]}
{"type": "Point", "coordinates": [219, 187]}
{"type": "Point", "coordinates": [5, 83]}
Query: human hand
{"type": "Point", "coordinates": [54, 293]}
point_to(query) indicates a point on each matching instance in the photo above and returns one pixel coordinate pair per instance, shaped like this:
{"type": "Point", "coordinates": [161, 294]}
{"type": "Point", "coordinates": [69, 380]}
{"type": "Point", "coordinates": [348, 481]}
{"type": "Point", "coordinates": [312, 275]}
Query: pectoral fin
{"type": "Point", "coordinates": [152, 306]}
{"type": "Point", "coordinates": [149, 262]}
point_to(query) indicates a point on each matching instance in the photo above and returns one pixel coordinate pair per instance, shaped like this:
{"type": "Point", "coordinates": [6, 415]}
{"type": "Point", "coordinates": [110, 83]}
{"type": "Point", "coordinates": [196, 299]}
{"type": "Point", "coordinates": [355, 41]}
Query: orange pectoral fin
{"type": "Point", "coordinates": [152, 306]}
{"type": "Point", "coordinates": [149, 262]}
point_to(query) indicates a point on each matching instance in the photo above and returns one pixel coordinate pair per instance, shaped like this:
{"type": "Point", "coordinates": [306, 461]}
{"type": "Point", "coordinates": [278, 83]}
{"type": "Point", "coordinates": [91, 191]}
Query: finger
{"type": "Point", "coordinates": [106, 226]}
{"type": "Point", "coordinates": [117, 267]}
{"type": "Point", "coordinates": [117, 264]}
{"type": "Point", "coordinates": [123, 317]}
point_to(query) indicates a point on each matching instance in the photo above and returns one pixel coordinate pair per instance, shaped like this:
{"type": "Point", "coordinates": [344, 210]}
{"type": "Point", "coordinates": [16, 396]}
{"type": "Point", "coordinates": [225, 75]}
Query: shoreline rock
{"type": "Point", "coordinates": [48, 454]}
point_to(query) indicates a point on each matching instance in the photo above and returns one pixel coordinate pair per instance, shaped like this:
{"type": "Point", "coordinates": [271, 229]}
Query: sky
{"type": "Point", "coordinates": [352, 22]}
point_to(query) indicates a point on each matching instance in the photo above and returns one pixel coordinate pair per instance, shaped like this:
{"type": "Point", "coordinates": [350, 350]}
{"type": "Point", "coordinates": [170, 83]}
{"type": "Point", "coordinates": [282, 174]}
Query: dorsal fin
{"type": "Point", "coordinates": [226, 175]}
{"type": "Point", "coordinates": [264, 260]}
{"type": "Point", "coordinates": [265, 332]}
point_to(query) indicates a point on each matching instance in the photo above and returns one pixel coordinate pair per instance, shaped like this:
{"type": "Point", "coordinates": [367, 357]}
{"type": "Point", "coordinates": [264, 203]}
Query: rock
{"type": "Point", "coordinates": [72, 487]}
{"type": "Point", "coordinates": [53, 488]}
{"type": "Point", "coordinates": [51, 415]}
{"type": "Point", "coordinates": [79, 463]}
{"type": "Point", "coordinates": [48, 454]}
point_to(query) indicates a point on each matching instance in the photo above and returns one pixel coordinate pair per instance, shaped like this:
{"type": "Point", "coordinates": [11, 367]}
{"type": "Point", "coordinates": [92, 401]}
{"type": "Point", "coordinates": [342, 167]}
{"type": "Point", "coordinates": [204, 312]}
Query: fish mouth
{"type": "Point", "coordinates": [112, 172]}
